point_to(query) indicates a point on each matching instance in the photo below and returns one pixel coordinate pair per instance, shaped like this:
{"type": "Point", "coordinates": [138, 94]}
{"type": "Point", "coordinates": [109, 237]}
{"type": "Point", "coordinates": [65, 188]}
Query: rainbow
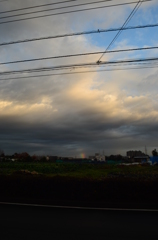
{"type": "Point", "coordinates": [83, 155]}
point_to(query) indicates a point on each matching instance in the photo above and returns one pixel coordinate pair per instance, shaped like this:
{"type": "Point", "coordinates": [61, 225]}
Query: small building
{"type": "Point", "coordinates": [141, 159]}
{"type": "Point", "coordinates": [98, 157]}
{"type": "Point", "coordinates": [154, 160]}
{"type": "Point", "coordinates": [137, 156]}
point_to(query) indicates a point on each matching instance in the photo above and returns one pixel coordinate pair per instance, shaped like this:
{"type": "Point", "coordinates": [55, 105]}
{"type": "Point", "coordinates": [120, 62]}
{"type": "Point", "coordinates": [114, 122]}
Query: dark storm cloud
{"type": "Point", "coordinates": [81, 133]}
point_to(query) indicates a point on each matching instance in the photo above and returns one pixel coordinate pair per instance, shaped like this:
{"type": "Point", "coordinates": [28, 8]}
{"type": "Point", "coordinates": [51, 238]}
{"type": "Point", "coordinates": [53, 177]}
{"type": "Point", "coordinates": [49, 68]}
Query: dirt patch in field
{"type": "Point", "coordinates": [25, 172]}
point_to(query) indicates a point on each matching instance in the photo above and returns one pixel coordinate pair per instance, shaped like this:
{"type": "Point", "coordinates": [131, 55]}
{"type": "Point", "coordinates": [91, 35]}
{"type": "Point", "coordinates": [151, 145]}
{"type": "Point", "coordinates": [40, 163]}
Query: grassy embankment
{"type": "Point", "coordinates": [91, 171]}
{"type": "Point", "coordinates": [80, 184]}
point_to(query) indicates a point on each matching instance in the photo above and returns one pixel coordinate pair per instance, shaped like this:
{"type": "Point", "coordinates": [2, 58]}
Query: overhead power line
{"type": "Point", "coordinates": [42, 5]}
{"type": "Point", "coordinates": [80, 72]}
{"type": "Point", "coordinates": [77, 55]}
{"type": "Point", "coordinates": [80, 65]}
{"type": "Point", "coordinates": [128, 19]}
{"type": "Point", "coordinates": [78, 33]}
{"type": "Point", "coordinates": [125, 23]}
{"type": "Point", "coordinates": [73, 11]}
{"type": "Point", "coordinates": [49, 4]}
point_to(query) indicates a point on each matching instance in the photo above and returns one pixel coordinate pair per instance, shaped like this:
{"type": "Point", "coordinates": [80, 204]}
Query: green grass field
{"type": "Point", "coordinates": [91, 171]}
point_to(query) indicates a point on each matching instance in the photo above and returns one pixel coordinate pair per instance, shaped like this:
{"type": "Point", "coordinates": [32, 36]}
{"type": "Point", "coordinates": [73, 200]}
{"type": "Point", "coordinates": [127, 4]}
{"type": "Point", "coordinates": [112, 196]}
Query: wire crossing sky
{"type": "Point", "coordinates": [79, 33]}
{"type": "Point", "coordinates": [49, 4]}
{"type": "Point", "coordinates": [125, 23]}
{"type": "Point", "coordinates": [80, 65]}
{"type": "Point", "coordinates": [77, 55]}
{"type": "Point", "coordinates": [81, 72]}
{"type": "Point", "coordinates": [60, 13]}
{"type": "Point", "coordinates": [55, 99]}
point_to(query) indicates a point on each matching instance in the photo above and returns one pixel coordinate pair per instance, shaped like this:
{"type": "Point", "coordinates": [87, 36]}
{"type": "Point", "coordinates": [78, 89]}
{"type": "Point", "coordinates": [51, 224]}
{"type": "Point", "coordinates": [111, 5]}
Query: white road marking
{"type": "Point", "coordinates": [84, 208]}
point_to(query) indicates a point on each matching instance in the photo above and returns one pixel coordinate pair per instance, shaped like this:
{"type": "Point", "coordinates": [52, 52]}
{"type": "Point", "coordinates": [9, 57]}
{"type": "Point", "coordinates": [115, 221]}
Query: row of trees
{"type": "Point", "coordinates": [23, 157]}
{"type": "Point", "coordinates": [154, 153]}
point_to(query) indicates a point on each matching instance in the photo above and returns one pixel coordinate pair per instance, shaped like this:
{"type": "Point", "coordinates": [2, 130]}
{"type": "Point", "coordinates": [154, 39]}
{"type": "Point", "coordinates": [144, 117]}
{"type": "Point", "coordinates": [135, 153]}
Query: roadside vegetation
{"type": "Point", "coordinates": [91, 171]}
{"type": "Point", "coordinates": [97, 185]}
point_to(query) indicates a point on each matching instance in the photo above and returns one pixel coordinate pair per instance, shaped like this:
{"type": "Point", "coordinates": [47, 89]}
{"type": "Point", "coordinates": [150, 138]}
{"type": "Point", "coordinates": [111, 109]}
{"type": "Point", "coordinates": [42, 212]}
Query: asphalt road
{"type": "Point", "coordinates": [34, 222]}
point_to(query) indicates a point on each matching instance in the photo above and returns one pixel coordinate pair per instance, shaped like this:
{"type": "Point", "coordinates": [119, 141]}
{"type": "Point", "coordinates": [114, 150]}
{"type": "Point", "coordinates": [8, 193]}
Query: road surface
{"type": "Point", "coordinates": [37, 222]}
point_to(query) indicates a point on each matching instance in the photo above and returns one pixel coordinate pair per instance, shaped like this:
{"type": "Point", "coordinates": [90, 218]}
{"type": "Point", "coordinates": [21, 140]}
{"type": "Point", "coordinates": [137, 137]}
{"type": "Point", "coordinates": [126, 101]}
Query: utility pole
{"type": "Point", "coordinates": [146, 150]}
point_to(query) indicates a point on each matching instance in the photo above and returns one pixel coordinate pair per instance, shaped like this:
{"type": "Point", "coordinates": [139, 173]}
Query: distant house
{"type": "Point", "coordinates": [98, 157]}
{"type": "Point", "coordinates": [137, 156]}
{"type": "Point", "coordinates": [141, 159]}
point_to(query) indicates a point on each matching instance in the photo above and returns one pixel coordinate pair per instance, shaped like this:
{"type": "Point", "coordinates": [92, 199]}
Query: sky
{"type": "Point", "coordinates": [78, 114]}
